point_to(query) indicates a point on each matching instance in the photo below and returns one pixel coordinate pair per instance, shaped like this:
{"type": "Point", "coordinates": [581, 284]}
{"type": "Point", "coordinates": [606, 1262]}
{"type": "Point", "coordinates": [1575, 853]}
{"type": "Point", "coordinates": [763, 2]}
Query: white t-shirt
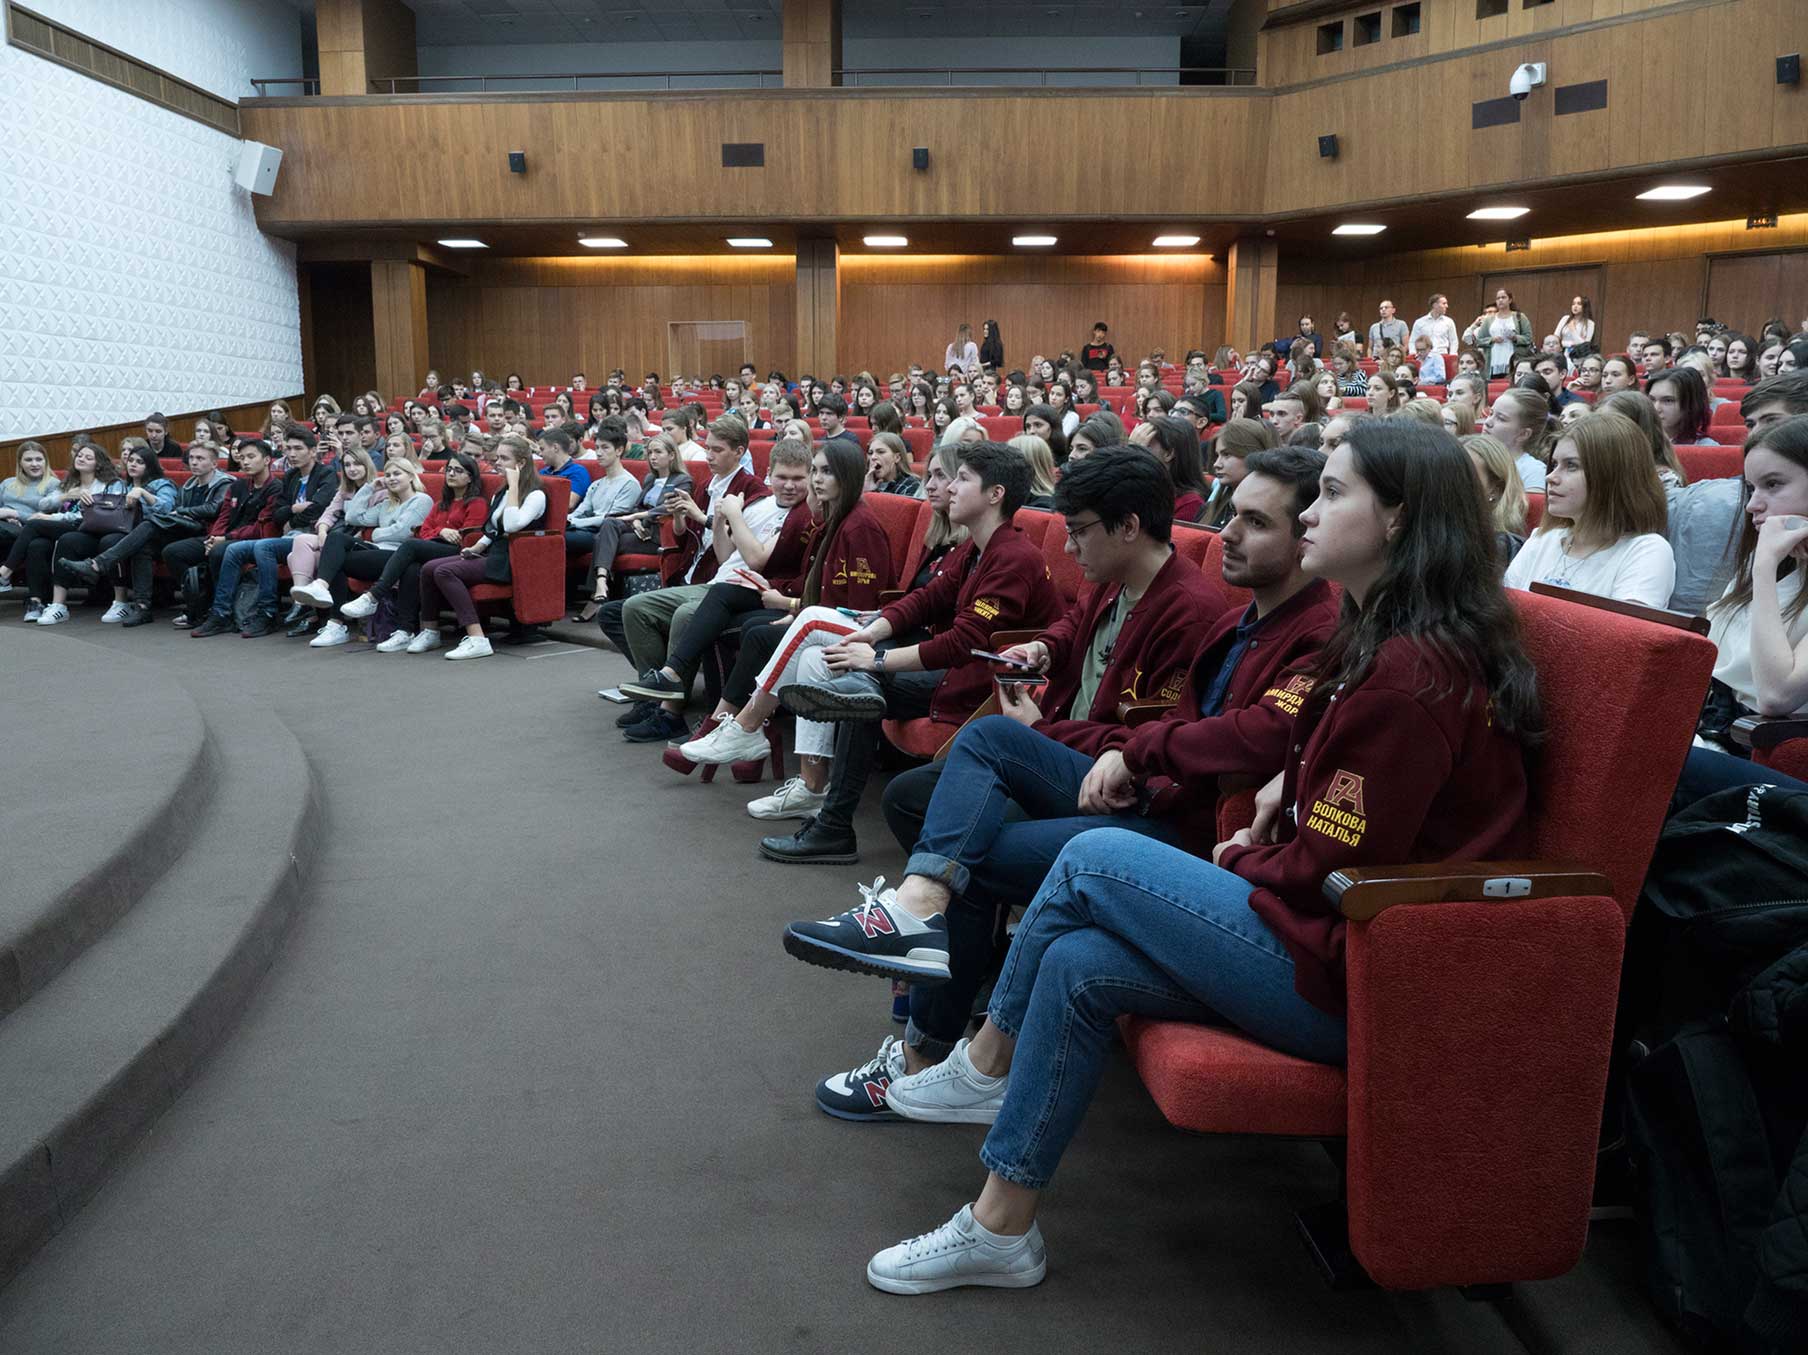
{"type": "Point", "coordinates": [1531, 471]}
{"type": "Point", "coordinates": [1730, 630]}
{"type": "Point", "coordinates": [765, 519]}
{"type": "Point", "coordinates": [1440, 329]}
{"type": "Point", "coordinates": [1638, 569]}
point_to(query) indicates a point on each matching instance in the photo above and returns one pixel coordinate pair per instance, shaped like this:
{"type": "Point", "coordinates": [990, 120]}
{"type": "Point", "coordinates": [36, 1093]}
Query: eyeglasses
{"type": "Point", "coordinates": [1075, 533]}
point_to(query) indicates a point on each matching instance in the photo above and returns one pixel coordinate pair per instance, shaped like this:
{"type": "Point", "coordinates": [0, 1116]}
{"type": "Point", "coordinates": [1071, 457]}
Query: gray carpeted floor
{"type": "Point", "coordinates": [533, 1074]}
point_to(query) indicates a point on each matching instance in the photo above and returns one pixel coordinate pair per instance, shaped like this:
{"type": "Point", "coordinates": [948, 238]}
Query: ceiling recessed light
{"type": "Point", "coordinates": [1175, 241]}
{"type": "Point", "coordinates": [1674, 192]}
{"type": "Point", "coordinates": [464, 244]}
{"type": "Point", "coordinates": [601, 242]}
{"type": "Point", "coordinates": [1498, 213]}
{"type": "Point", "coordinates": [1032, 239]}
{"type": "Point", "coordinates": [1358, 228]}
{"type": "Point", "coordinates": [885, 241]}
{"type": "Point", "coordinates": [748, 242]}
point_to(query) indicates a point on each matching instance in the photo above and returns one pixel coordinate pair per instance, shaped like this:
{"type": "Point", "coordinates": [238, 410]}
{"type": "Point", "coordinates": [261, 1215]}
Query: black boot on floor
{"type": "Point", "coordinates": [304, 625]}
{"type": "Point", "coordinates": [812, 844]}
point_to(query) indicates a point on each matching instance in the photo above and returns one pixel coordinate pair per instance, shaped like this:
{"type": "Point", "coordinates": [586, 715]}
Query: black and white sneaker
{"type": "Point", "coordinates": [827, 705]}
{"type": "Point", "coordinates": [878, 937]}
{"type": "Point", "coordinates": [654, 685]}
{"type": "Point", "coordinates": [860, 1095]}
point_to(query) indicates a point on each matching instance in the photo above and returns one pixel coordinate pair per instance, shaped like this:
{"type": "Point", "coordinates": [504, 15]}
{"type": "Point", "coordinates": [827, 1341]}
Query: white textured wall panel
{"type": "Point", "coordinates": [133, 276]}
{"type": "Point", "coordinates": [216, 44]}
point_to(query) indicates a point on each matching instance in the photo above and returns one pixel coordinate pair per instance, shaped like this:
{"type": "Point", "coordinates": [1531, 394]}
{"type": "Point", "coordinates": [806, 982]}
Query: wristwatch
{"type": "Point", "coordinates": [878, 660]}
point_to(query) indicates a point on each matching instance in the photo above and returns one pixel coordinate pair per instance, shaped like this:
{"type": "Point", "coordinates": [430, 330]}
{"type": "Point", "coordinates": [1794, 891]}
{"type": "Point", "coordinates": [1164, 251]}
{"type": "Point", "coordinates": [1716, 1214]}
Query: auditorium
{"type": "Point", "coordinates": [1191, 613]}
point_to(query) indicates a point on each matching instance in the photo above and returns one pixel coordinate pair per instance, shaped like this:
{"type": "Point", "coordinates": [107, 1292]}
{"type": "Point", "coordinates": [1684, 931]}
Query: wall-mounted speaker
{"type": "Point", "coordinates": [1327, 148]}
{"type": "Point", "coordinates": [517, 162]}
{"type": "Point", "coordinates": [919, 158]}
{"type": "Point", "coordinates": [1789, 69]}
{"type": "Point", "coordinates": [258, 164]}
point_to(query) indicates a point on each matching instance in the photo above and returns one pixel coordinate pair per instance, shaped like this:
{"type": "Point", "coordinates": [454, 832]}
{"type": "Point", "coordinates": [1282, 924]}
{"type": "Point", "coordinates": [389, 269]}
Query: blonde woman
{"type": "Point", "coordinates": [35, 489]}
{"type": "Point", "coordinates": [1637, 406]}
{"type": "Point", "coordinates": [1458, 419]}
{"type": "Point", "coordinates": [1042, 470]}
{"type": "Point", "coordinates": [888, 466]}
{"type": "Point", "coordinates": [962, 429]}
{"type": "Point", "coordinates": [1604, 518]}
{"type": "Point", "coordinates": [1521, 419]}
{"type": "Point", "coordinates": [357, 482]}
{"type": "Point", "coordinates": [1502, 488]}
{"type": "Point", "coordinates": [391, 516]}
{"type": "Point", "coordinates": [942, 535]}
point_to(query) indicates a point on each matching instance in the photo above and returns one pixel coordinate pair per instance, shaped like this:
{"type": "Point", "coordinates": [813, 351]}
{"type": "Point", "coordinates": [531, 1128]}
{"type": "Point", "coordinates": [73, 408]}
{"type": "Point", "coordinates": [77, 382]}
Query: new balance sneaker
{"type": "Point", "coordinates": [398, 641]}
{"type": "Point", "coordinates": [365, 604]}
{"type": "Point", "coordinates": [860, 1095]}
{"type": "Point", "coordinates": [115, 614]}
{"type": "Point", "coordinates": [53, 615]}
{"type": "Point", "coordinates": [727, 742]}
{"type": "Point", "coordinates": [424, 641]}
{"type": "Point", "coordinates": [830, 704]}
{"type": "Point", "coordinates": [332, 635]}
{"type": "Point", "coordinates": [959, 1253]}
{"type": "Point", "coordinates": [952, 1092]}
{"type": "Point", "coordinates": [314, 592]}
{"type": "Point", "coordinates": [653, 685]}
{"type": "Point", "coordinates": [878, 937]}
{"type": "Point", "coordinates": [471, 647]}
{"type": "Point", "coordinates": [793, 800]}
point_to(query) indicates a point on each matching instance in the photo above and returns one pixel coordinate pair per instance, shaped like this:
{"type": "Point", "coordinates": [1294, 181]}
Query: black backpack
{"type": "Point", "coordinates": [1714, 1111]}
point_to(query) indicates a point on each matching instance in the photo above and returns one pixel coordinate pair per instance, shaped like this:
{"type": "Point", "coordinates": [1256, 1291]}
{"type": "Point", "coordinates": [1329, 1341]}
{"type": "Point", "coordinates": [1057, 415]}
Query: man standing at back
{"type": "Point", "coordinates": [1386, 331]}
{"type": "Point", "coordinates": [1437, 326]}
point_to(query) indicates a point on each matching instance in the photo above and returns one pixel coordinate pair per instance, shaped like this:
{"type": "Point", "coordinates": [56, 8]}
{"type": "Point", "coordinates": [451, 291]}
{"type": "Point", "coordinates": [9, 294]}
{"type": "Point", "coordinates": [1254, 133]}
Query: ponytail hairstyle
{"type": "Point", "coordinates": [847, 463]}
{"type": "Point", "coordinates": [529, 479]}
{"type": "Point", "coordinates": [1789, 440]}
{"type": "Point", "coordinates": [1440, 585]}
{"type": "Point", "coordinates": [1535, 410]}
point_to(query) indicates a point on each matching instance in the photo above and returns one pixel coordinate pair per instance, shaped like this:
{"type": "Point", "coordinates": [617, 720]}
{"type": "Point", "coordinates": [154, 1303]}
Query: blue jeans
{"type": "Point", "coordinates": [267, 553]}
{"type": "Point", "coordinates": [990, 862]}
{"type": "Point", "coordinates": [1707, 770]}
{"type": "Point", "coordinates": [1127, 925]}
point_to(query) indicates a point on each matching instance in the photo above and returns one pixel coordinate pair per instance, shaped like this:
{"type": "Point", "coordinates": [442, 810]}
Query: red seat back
{"type": "Point", "coordinates": [1660, 676]}
{"type": "Point", "coordinates": [1002, 427]}
{"type": "Point", "coordinates": [1534, 509]}
{"type": "Point", "coordinates": [1213, 568]}
{"type": "Point", "coordinates": [920, 441]}
{"type": "Point", "coordinates": [905, 520]}
{"type": "Point", "coordinates": [1712, 463]}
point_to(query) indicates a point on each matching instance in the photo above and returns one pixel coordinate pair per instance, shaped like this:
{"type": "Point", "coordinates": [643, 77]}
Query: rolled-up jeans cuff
{"type": "Point", "coordinates": [951, 875]}
{"type": "Point", "coordinates": [931, 1048]}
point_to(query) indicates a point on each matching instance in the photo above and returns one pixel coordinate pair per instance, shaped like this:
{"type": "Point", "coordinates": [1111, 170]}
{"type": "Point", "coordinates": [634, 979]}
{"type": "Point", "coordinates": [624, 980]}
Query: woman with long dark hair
{"type": "Point", "coordinates": [1421, 707]}
{"type": "Point", "coordinates": [1681, 399]}
{"type": "Point", "coordinates": [1044, 421]}
{"type": "Point", "coordinates": [991, 346]}
{"type": "Point", "coordinates": [1175, 443]}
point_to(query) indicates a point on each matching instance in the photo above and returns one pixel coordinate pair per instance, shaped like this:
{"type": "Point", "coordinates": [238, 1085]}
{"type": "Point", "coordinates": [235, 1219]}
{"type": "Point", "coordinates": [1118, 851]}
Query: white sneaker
{"type": "Point", "coordinates": [397, 642]}
{"type": "Point", "coordinates": [427, 639]}
{"type": "Point", "coordinates": [958, 1253]}
{"type": "Point", "coordinates": [471, 647]}
{"type": "Point", "coordinates": [793, 800]}
{"type": "Point", "coordinates": [727, 742]}
{"type": "Point", "coordinates": [952, 1092]}
{"type": "Point", "coordinates": [332, 635]}
{"type": "Point", "coordinates": [54, 614]}
{"type": "Point", "coordinates": [314, 592]}
{"type": "Point", "coordinates": [365, 604]}
{"type": "Point", "coordinates": [116, 613]}
{"type": "Point", "coordinates": [180, 621]}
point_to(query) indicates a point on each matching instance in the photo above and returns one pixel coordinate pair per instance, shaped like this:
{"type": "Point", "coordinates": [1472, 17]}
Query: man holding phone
{"type": "Point", "coordinates": [968, 858]}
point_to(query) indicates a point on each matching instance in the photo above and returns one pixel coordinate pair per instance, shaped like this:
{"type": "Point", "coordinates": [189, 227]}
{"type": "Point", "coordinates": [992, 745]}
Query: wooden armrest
{"type": "Point", "coordinates": [1130, 714]}
{"type": "Point", "coordinates": [1004, 639]}
{"type": "Point", "coordinates": [1662, 617]}
{"type": "Point", "coordinates": [1359, 893]}
{"type": "Point", "coordinates": [890, 595]}
{"type": "Point", "coordinates": [1761, 732]}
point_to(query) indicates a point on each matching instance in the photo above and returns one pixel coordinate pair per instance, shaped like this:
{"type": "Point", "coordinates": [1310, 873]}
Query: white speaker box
{"type": "Point", "coordinates": [258, 164]}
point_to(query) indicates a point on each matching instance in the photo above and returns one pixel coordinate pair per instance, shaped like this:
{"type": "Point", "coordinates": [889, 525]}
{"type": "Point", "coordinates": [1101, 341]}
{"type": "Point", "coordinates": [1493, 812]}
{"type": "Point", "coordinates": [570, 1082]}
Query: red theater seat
{"type": "Point", "coordinates": [1479, 1028]}
{"type": "Point", "coordinates": [536, 590]}
{"type": "Point", "coordinates": [1712, 463]}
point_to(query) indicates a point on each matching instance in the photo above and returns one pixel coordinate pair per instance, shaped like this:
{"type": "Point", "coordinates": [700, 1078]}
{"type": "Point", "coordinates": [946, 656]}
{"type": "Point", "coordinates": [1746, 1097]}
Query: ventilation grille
{"type": "Point", "coordinates": [743, 154]}
{"type": "Point", "coordinates": [43, 37]}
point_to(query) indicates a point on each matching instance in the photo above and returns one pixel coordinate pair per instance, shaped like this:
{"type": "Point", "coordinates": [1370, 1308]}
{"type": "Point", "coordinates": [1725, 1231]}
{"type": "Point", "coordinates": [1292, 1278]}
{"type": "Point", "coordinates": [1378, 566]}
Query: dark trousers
{"type": "Point", "coordinates": [907, 697]}
{"type": "Point", "coordinates": [758, 644]}
{"type": "Point", "coordinates": [80, 545]}
{"type": "Point", "coordinates": [181, 556]}
{"type": "Point", "coordinates": [344, 557]}
{"type": "Point", "coordinates": [401, 578]}
{"type": "Point", "coordinates": [137, 553]}
{"type": "Point", "coordinates": [609, 618]}
{"type": "Point", "coordinates": [724, 607]}
{"type": "Point", "coordinates": [31, 552]}
{"type": "Point", "coordinates": [611, 537]}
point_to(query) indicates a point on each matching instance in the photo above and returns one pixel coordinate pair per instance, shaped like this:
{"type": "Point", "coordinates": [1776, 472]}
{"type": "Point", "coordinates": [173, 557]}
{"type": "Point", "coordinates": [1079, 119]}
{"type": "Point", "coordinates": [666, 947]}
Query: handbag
{"type": "Point", "coordinates": [105, 514]}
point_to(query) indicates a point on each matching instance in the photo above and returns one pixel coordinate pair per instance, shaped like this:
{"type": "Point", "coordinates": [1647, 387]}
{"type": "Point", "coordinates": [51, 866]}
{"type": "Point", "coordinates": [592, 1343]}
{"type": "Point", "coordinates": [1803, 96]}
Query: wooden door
{"type": "Point", "coordinates": [1544, 295]}
{"type": "Point", "coordinates": [1745, 290]}
{"type": "Point", "coordinates": [704, 348]}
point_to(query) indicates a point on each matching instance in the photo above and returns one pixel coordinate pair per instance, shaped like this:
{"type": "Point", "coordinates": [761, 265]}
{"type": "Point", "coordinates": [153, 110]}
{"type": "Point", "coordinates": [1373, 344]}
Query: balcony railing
{"type": "Point", "coordinates": [901, 77]}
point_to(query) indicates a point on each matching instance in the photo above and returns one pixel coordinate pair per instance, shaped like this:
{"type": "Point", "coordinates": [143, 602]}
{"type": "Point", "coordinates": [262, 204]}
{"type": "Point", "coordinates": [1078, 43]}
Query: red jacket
{"type": "Point", "coordinates": [790, 554]}
{"type": "Point", "coordinates": [1183, 754]}
{"type": "Point", "coordinates": [466, 514]}
{"type": "Point", "coordinates": [688, 540]}
{"type": "Point", "coordinates": [858, 566]}
{"type": "Point", "coordinates": [1405, 767]}
{"type": "Point", "coordinates": [248, 514]}
{"type": "Point", "coordinates": [1189, 507]}
{"type": "Point", "coordinates": [1005, 587]}
{"type": "Point", "coordinates": [1154, 648]}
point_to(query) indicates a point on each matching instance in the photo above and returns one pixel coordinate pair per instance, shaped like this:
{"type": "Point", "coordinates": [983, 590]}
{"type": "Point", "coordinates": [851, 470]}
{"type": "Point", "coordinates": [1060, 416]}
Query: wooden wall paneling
{"type": "Point", "coordinates": [1544, 294]}
{"type": "Point", "coordinates": [389, 39]}
{"type": "Point", "coordinates": [1786, 27]}
{"type": "Point", "coordinates": [345, 354]}
{"type": "Point", "coordinates": [1745, 291]}
{"type": "Point", "coordinates": [818, 305]}
{"type": "Point", "coordinates": [812, 43]}
{"type": "Point", "coordinates": [1252, 297]}
{"type": "Point", "coordinates": [398, 292]}
{"type": "Point", "coordinates": [241, 418]}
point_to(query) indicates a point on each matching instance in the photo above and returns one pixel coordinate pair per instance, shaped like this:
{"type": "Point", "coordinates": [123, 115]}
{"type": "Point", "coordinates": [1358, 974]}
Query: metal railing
{"type": "Point", "coordinates": [900, 77]}
{"type": "Point", "coordinates": [1067, 77]}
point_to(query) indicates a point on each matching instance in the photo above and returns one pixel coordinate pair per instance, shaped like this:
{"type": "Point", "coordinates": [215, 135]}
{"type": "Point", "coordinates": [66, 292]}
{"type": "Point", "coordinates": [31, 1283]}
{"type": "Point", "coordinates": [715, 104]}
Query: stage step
{"type": "Point", "coordinates": [95, 1055]}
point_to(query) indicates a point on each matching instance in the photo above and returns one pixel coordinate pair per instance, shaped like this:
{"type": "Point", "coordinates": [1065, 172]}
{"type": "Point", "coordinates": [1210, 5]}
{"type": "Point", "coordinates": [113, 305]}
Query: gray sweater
{"type": "Point", "coordinates": [25, 500]}
{"type": "Point", "coordinates": [392, 523]}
